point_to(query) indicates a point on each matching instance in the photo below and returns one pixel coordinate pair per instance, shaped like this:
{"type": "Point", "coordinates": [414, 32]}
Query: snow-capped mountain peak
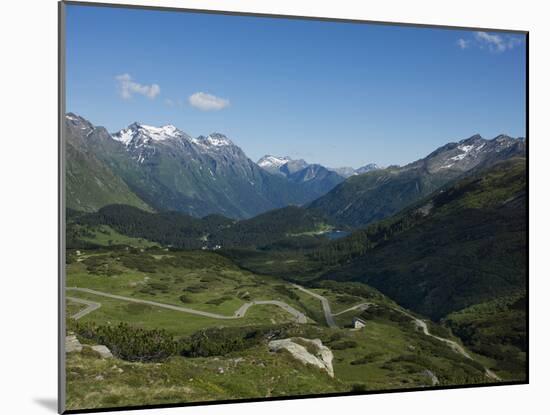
{"type": "Point", "coordinates": [470, 152]}
{"type": "Point", "coordinates": [269, 161]}
{"type": "Point", "coordinates": [366, 168]}
{"type": "Point", "coordinates": [213, 140]}
{"type": "Point", "coordinates": [148, 133]}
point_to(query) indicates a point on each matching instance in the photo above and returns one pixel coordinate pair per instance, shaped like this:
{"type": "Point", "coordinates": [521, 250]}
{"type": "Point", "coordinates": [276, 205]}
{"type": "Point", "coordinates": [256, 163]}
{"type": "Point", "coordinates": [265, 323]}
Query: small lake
{"type": "Point", "coordinates": [332, 235]}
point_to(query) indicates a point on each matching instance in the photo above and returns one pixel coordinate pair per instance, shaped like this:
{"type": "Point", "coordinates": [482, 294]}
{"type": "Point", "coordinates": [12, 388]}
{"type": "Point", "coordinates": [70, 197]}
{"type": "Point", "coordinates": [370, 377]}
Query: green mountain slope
{"type": "Point", "coordinates": [90, 184]}
{"type": "Point", "coordinates": [459, 247]}
{"type": "Point", "coordinates": [378, 194]}
{"type": "Point", "coordinates": [496, 328]}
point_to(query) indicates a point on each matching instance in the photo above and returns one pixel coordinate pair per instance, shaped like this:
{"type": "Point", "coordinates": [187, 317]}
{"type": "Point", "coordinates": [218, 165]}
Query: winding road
{"type": "Point", "coordinates": [454, 345]}
{"type": "Point", "coordinates": [329, 317]}
{"type": "Point", "coordinates": [241, 312]}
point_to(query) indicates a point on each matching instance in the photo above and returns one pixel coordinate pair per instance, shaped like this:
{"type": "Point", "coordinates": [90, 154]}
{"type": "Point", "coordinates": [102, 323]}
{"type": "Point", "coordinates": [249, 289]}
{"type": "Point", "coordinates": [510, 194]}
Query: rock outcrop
{"type": "Point", "coordinates": [307, 351]}
{"type": "Point", "coordinates": [103, 351]}
{"type": "Point", "coordinates": [72, 344]}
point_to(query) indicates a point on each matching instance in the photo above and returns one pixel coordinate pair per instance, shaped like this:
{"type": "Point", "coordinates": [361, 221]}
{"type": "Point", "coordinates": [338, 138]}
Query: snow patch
{"type": "Point", "coordinates": [124, 136]}
{"type": "Point", "coordinates": [459, 157]}
{"type": "Point", "coordinates": [273, 161]}
{"type": "Point", "coordinates": [213, 140]}
{"type": "Point", "coordinates": [148, 133]}
{"type": "Point", "coordinates": [466, 149]}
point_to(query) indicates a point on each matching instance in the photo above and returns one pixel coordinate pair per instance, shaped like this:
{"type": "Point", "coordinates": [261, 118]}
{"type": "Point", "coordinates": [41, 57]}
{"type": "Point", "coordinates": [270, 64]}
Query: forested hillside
{"type": "Point", "coordinates": [461, 246]}
{"type": "Point", "coordinates": [210, 232]}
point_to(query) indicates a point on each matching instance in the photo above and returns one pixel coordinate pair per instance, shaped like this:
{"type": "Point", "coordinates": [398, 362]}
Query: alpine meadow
{"type": "Point", "coordinates": [357, 224]}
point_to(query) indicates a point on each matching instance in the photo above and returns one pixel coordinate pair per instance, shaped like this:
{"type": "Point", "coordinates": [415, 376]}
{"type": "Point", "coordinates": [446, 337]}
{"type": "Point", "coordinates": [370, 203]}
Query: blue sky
{"type": "Point", "coordinates": [339, 94]}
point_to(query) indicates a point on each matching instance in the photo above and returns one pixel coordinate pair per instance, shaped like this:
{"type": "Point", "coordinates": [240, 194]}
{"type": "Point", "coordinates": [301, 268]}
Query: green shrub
{"type": "Point", "coordinates": [140, 261]}
{"type": "Point", "coordinates": [287, 292]}
{"type": "Point", "coordinates": [131, 343]}
{"type": "Point", "coordinates": [219, 300]}
{"type": "Point", "coordinates": [159, 286]}
{"type": "Point", "coordinates": [197, 288]}
{"type": "Point", "coordinates": [222, 341]}
{"type": "Point", "coordinates": [99, 265]}
{"type": "Point", "coordinates": [185, 299]}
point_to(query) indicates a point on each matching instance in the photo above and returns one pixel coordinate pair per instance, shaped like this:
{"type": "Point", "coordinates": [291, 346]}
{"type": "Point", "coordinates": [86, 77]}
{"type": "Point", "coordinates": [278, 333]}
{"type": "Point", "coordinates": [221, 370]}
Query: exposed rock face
{"type": "Point", "coordinates": [72, 344]}
{"type": "Point", "coordinates": [322, 358]}
{"type": "Point", "coordinates": [103, 351]}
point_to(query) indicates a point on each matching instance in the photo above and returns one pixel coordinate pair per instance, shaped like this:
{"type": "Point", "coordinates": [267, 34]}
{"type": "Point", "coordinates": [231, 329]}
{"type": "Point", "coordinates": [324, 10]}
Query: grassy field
{"type": "Point", "coordinates": [106, 236]}
{"type": "Point", "coordinates": [198, 280]}
{"type": "Point", "coordinates": [384, 355]}
{"type": "Point", "coordinates": [388, 353]}
{"type": "Point", "coordinates": [94, 382]}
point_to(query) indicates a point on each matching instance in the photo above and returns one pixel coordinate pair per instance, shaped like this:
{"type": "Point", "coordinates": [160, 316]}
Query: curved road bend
{"type": "Point", "coordinates": [420, 323]}
{"type": "Point", "coordinates": [454, 345]}
{"type": "Point", "coordinates": [324, 303]}
{"type": "Point", "coordinates": [241, 312]}
{"type": "Point", "coordinates": [90, 306]}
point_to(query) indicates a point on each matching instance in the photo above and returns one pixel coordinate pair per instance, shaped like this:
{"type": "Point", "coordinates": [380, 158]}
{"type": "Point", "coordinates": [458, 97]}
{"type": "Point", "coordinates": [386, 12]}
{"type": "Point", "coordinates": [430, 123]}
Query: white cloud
{"type": "Point", "coordinates": [207, 102]}
{"type": "Point", "coordinates": [463, 43]}
{"type": "Point", "coordinates": [493, 42]}
{"type": "Point", "coordinates": [128, 87]}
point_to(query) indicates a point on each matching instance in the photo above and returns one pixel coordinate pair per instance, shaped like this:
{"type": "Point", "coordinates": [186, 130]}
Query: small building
{"type": "Point", "coordinates": [357, 323]}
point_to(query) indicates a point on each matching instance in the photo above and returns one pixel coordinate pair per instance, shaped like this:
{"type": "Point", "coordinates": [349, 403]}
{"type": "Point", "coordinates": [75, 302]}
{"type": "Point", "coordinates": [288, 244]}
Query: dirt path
{"type": "Point", "coordinates": [241, 312]}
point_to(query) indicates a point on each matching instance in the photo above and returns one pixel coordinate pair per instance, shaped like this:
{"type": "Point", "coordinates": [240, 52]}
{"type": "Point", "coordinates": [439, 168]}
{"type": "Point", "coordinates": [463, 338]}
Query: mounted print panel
{"type": "Point", "coordinates": [257, 207]}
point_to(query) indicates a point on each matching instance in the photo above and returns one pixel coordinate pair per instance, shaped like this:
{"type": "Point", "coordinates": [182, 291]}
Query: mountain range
{"type": "Point", "coordinates": [165, 169]}
{"type": "Point", "coordinates": [317, 177]}
{"type": "Point", "coordinates": [366, 198]}
{"type": "Point", "coordinates": [287, 166]}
